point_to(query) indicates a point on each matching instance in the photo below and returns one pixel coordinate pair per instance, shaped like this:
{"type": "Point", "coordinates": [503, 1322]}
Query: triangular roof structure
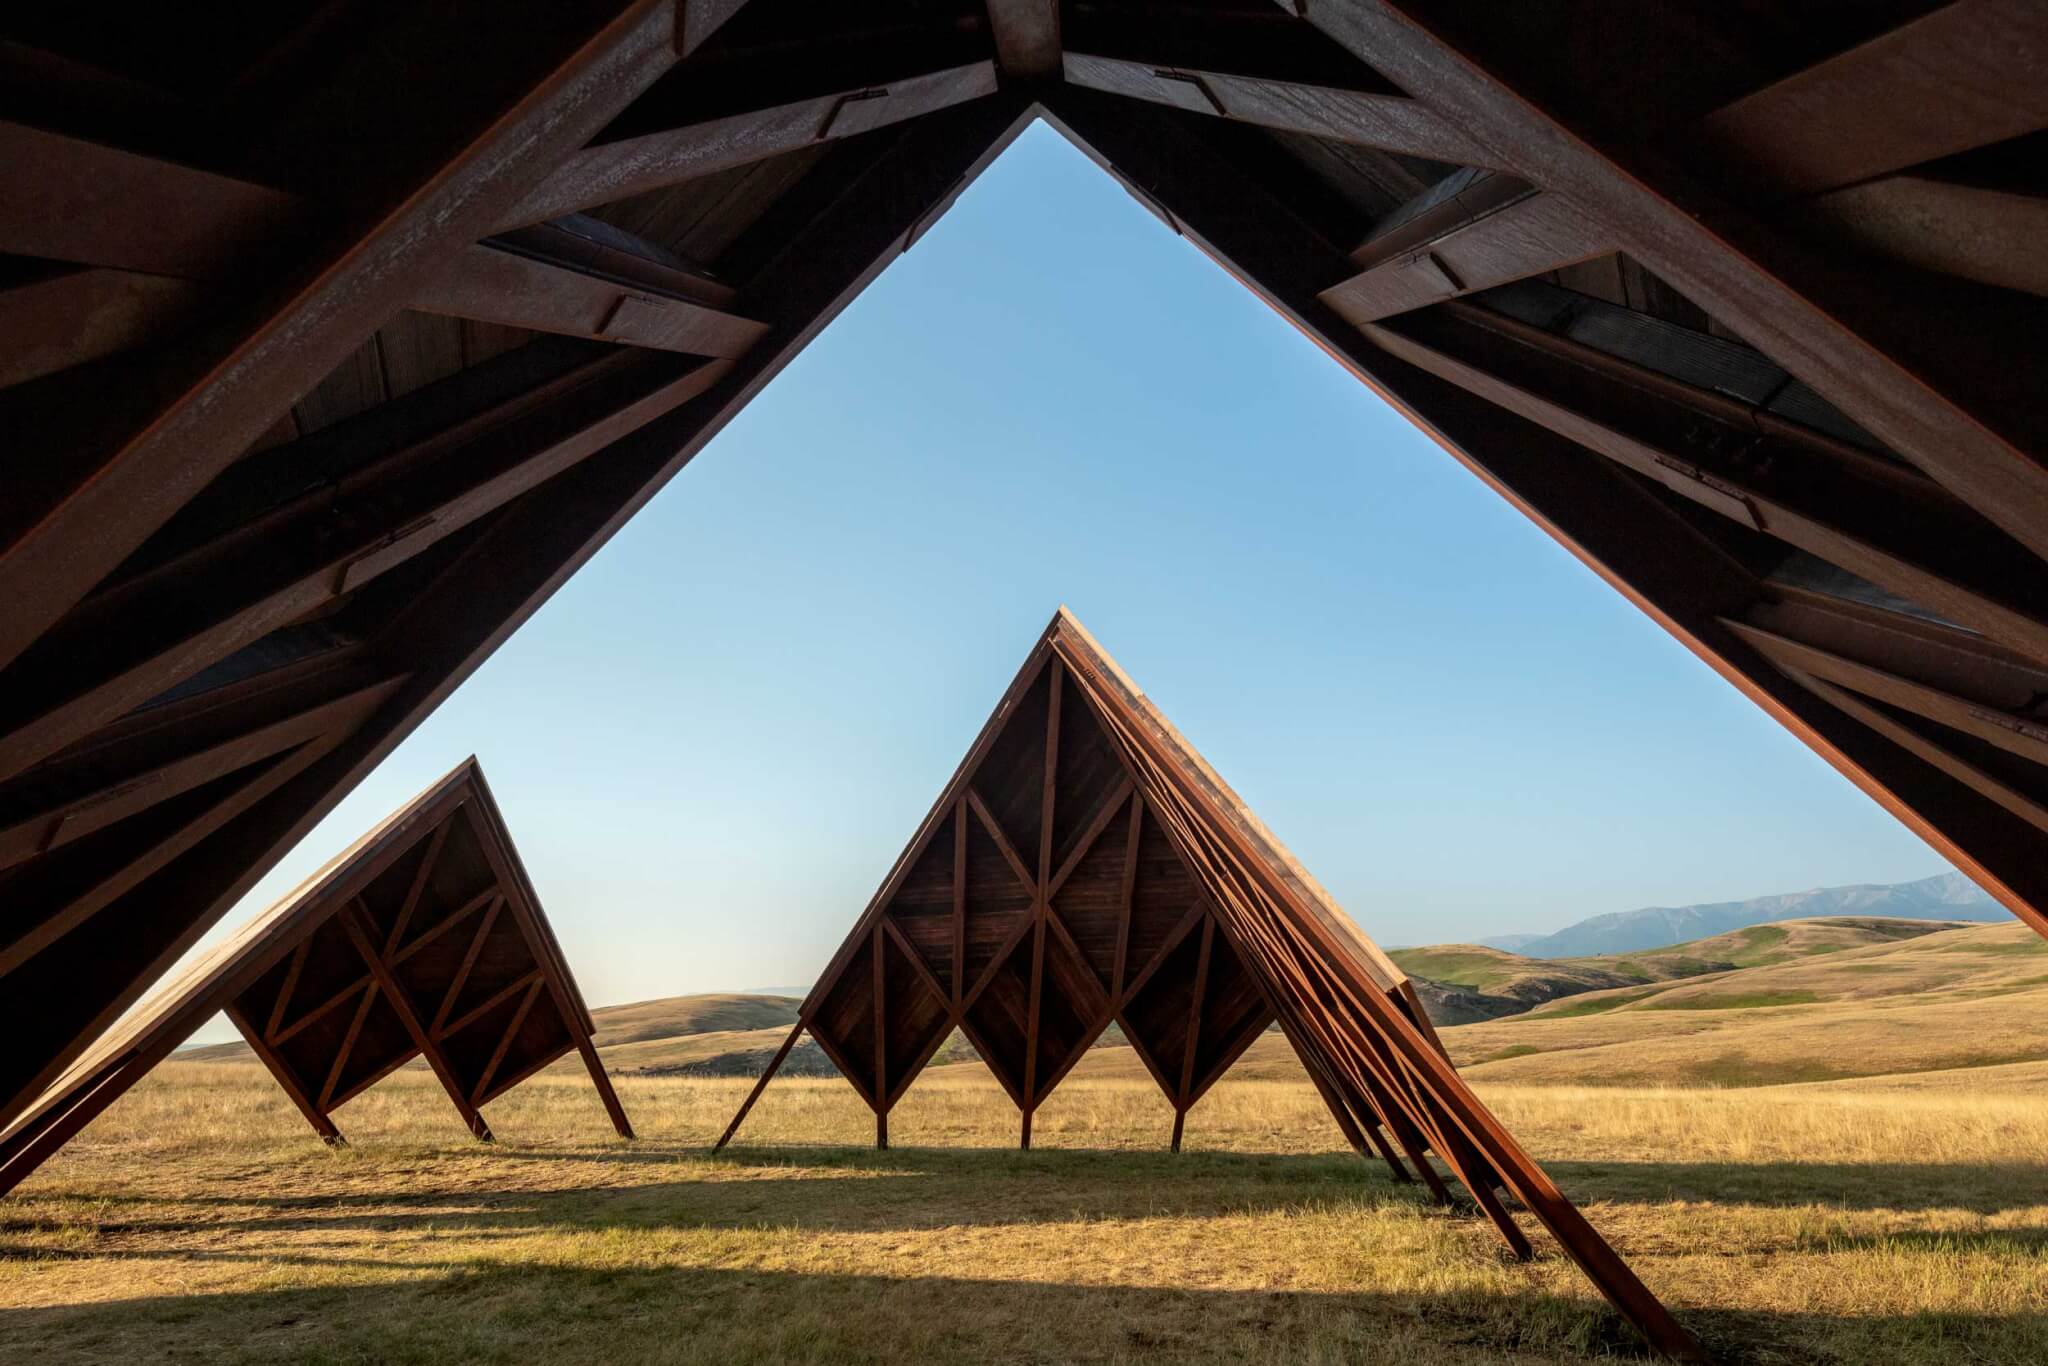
{"type": "Point", "coordinates": [335, 342]}
{"type": "Point", "coordinates": [1086, 866]}
{"type": "Point", "coordinates": [423, 938]}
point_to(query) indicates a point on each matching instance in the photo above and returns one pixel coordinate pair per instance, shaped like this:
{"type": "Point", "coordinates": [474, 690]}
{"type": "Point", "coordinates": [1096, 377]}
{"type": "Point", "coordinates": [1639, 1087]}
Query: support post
{"type": "Point", "coordinates": [774, 1065]}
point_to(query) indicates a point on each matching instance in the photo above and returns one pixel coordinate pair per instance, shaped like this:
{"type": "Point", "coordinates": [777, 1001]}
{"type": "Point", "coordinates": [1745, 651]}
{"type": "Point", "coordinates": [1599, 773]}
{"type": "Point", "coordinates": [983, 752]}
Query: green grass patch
{"type": "Point", "coordinates": [1573, 1008]}
{"type": "Point", "coordinates": [1747, 1000]}
{"type": "Point", "coordinates": [2011, 948]}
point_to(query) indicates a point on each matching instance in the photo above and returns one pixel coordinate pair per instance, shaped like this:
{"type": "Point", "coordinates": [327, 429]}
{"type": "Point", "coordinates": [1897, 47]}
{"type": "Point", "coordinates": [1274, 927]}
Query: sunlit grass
{"type": "Point", "coordinates": [199, 1220]}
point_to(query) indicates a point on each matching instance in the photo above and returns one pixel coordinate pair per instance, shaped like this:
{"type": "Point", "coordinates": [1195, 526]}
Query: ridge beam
{"type": "Point", "coordinates": [1027, 36]}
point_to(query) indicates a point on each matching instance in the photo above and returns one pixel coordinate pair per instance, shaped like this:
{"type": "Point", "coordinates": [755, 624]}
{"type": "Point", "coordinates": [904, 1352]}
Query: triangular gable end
{"type": "Point", "coordinates": [423, 938]}
{"type": "Point", "coordinates": [1085, 866]}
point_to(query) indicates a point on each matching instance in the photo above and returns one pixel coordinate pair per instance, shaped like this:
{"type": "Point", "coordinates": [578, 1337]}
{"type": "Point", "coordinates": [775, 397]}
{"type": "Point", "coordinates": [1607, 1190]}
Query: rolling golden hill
{"type": "Point", "coordinates": [1962, 998]}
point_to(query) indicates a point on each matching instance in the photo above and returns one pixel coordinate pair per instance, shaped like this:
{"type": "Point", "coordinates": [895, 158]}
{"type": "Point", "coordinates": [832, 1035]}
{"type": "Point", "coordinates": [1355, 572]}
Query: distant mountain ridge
{"type": "Point", "coordinates": [1946, 896]}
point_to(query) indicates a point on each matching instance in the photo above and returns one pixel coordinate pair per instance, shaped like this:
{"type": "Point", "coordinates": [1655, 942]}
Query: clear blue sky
{"type": "Point", "coordinates": [713, 742]}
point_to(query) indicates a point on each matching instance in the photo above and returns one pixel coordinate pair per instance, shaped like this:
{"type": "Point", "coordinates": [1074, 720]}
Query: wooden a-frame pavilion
{"type": "Point", "coordinates": [335, 335]}
{"type": "Point", "coordinates": [1084, 866]}
{"type": "Point", "coordinates": [422, 939]}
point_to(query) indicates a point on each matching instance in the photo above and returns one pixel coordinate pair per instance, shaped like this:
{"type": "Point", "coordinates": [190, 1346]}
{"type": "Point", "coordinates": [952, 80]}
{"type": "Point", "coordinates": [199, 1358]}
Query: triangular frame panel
{"type": "Point", "coordinates": [1261, 942]}
{"type": "Point", "coordinates": [422, 939]}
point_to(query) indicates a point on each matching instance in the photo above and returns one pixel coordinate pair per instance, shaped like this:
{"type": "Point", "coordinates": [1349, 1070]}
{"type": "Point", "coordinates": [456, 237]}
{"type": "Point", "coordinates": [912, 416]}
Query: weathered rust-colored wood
{"type": "Point", "coordinates": [774, 1065]}
{"type": "Point", "coordinates": [86, 673]}
{"type": "Point", "coordinates": [526, 1000]}
{"type": "Point", "coordinates": [1872, 518]}
{"type": "Point", "coordinates": [1528, 235]}
{"type": "Point", "coordinates": [1966, 75]}
{"type": "Point", "coordinates": [959, 901]}
{"type": "Point", "coordinates": [255, 977]}
{"type": "Point", "coordinates": [1027, 37]}
{"type": "Point", "coordinates": [653, 161]}
{"type": "Point", "coordinates": [881, 1009]}
{"type": "Point", "coordinates": [1891, 294]}
{"type": "Point", "coordinates": [1184, 1090]}
{"type": "Point", "coordinates": [354, 921]}
{"type": "Point", "coordinates": [1392, 123]}
{"type": "Point", "coordinates": [322, 1124]}
{"type": "Point", "coordinates": [1929, 391]}
{"type": "Point", "coordinates": [211, 399]}
{"type": "Point", "coordinates": [461, 978]}
{"type": "Point", "coordinates": [1126, 889]}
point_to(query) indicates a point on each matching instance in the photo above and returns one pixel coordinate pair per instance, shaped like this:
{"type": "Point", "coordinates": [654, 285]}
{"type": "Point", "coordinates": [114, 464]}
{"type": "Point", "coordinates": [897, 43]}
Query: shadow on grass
{"type": "Point", "coordinates": [572, 1314]}
{"type": "Point", "coordinates": [1986, 1188]}
{"type": "Point", "coordinates": [825, 1190]}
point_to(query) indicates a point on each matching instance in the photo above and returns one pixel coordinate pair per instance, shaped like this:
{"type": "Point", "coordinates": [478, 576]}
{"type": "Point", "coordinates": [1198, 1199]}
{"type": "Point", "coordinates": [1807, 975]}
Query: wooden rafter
{"type": "Point", "coordinates": [1392, 123]}
{"type": "Point", "coordinates": [653, 161]}
{"type": "Point", "coordinates": [226, 391]}
{"type": "Point", "coordinates": [1917, 387]}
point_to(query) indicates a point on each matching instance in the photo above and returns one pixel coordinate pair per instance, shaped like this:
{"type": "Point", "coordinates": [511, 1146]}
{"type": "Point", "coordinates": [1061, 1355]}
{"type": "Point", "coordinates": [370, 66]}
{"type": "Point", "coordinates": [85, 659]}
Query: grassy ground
{"type": "Point", "coordinates": [1879, 1221]}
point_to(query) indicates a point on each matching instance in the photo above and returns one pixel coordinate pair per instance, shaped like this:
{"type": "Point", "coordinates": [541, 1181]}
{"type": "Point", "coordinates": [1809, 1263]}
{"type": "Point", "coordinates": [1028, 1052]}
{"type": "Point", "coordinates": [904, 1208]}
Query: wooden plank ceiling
{"type": "Point", "coordinates": [423, 939]}
{"type": "Point", "coordinates": [335, 335]}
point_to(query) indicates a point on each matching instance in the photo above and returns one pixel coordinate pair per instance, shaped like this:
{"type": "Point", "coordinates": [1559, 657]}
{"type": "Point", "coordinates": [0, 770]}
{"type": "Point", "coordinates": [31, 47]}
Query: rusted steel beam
{"type": "Point", "coordinates": [653, 161]}
{"type": "Point", "coordinates": [1392, 123]}
{"type": "Point", "coordinates": [1936, 393]}
{"type": "Point", "coordinates": [94, 491]}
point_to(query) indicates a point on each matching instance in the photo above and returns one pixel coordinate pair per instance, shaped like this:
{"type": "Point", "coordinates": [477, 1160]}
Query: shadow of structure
{"type": "Point", "coordinates": [540, 1311]}
{"type": "Point", "coordinates": [731, 1261]}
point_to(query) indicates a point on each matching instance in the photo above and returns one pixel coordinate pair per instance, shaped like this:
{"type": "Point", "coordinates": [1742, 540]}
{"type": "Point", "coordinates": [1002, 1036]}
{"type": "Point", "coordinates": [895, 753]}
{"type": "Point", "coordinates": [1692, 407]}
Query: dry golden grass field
{"type": "Point", "coordinates": [1878, 1220]}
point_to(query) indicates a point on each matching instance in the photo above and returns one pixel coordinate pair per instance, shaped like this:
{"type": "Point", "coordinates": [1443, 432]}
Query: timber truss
{"type": "Point", "coordinates": [1086, 867]}
{"type": "Point", "coordinates": [334, 336]}
{"type": "Point", "coordinates": [422, 940]}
